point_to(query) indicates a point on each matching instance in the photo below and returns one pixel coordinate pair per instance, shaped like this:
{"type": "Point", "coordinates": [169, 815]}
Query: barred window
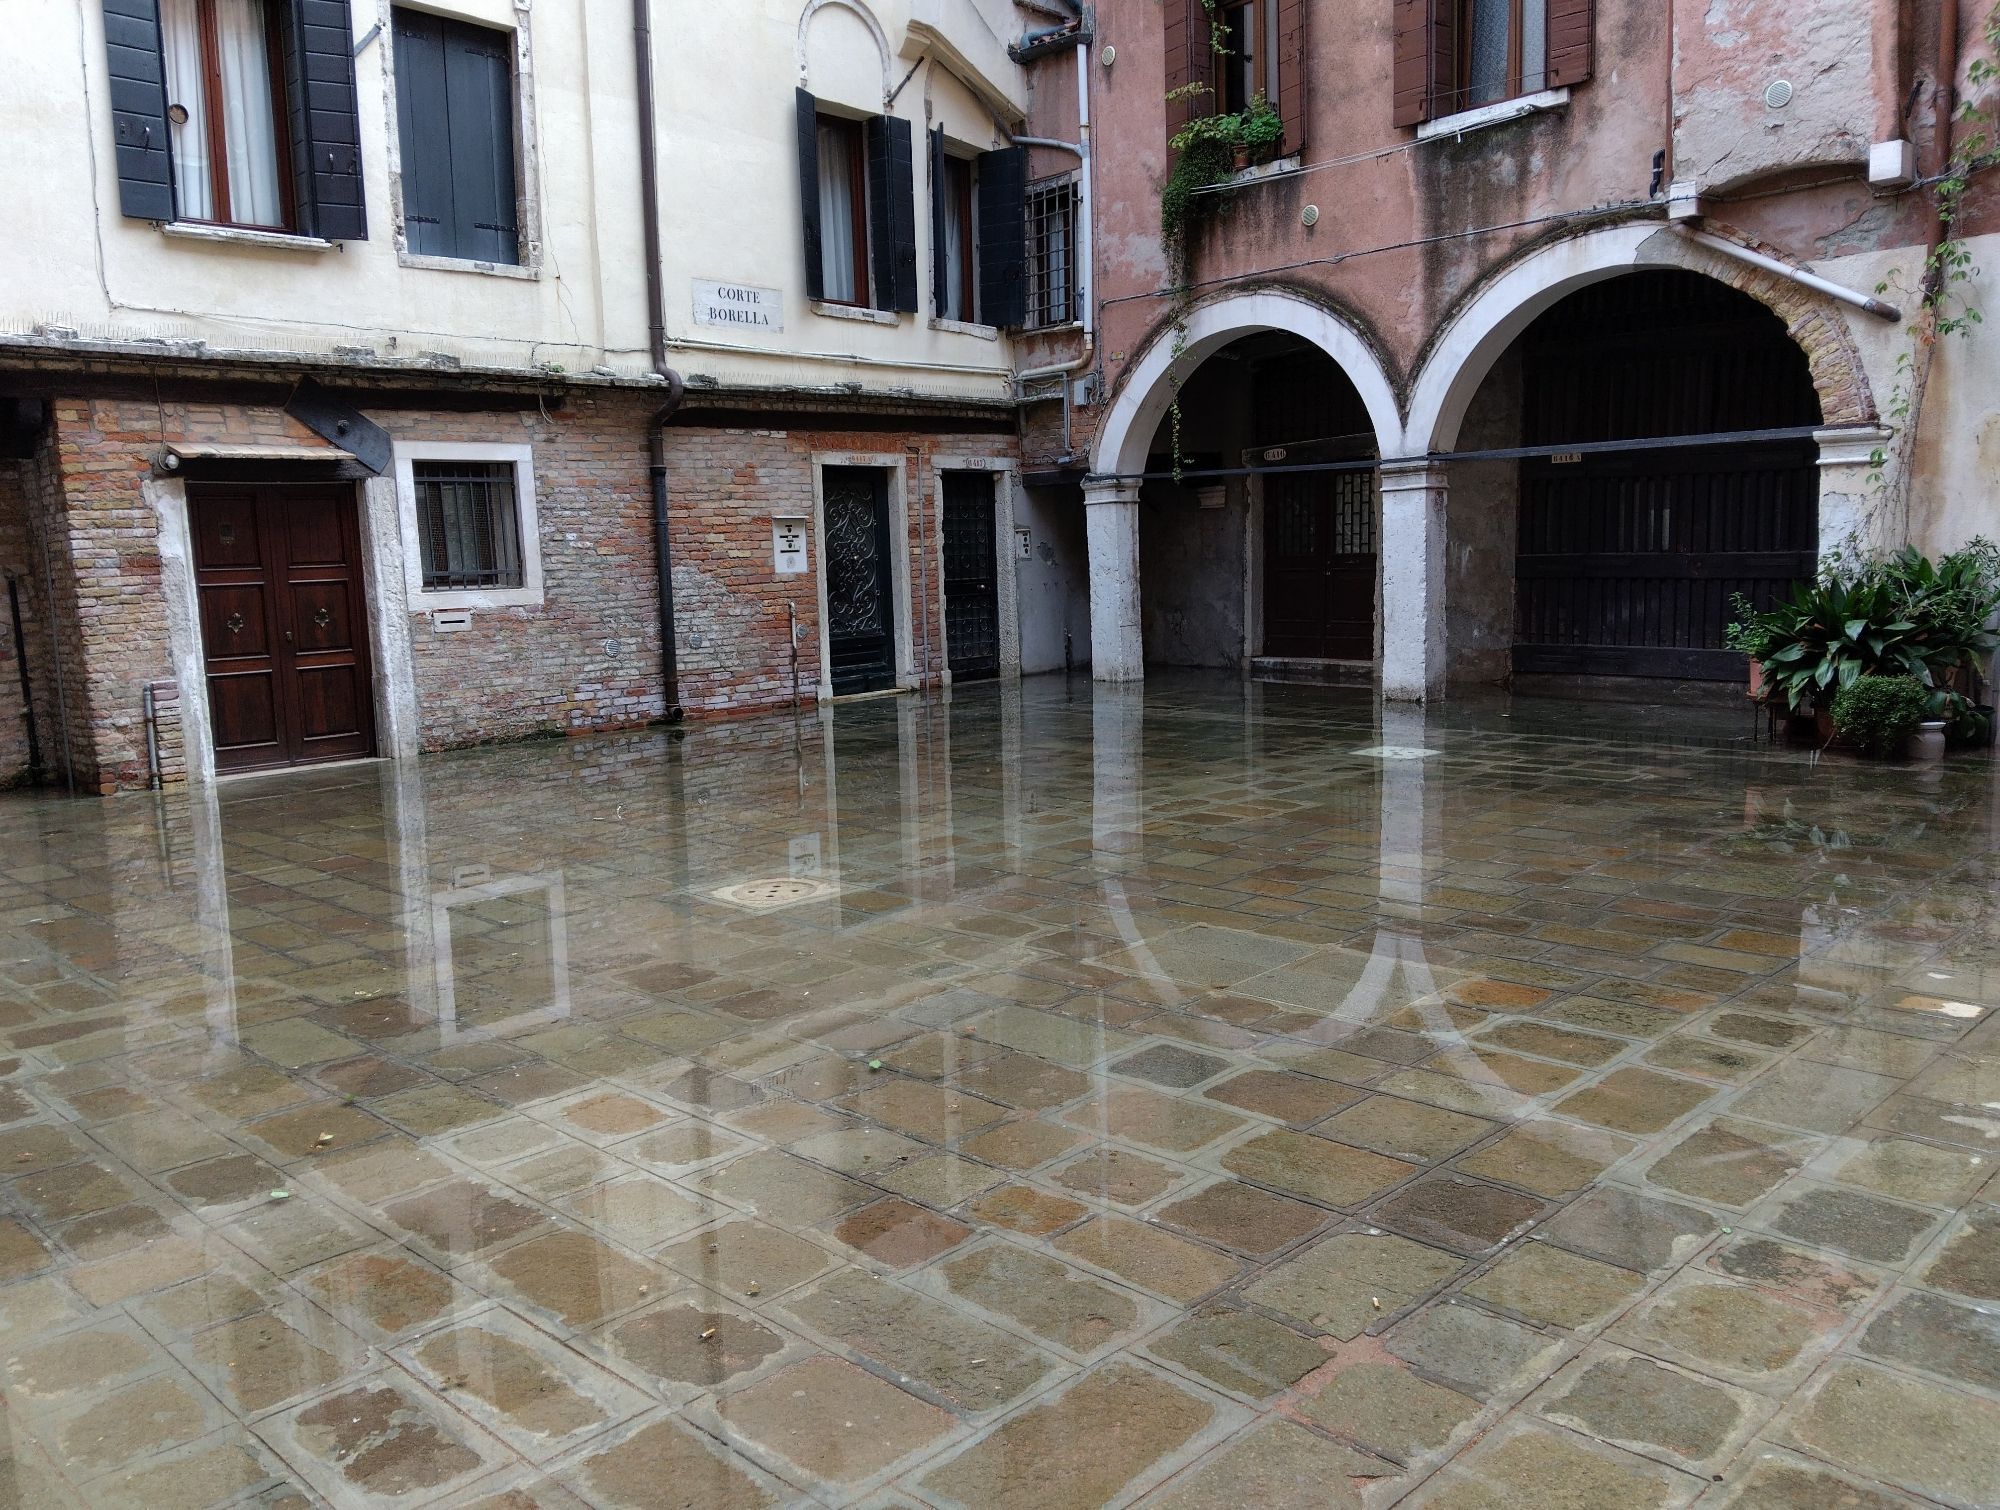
{"type": "Point", "coordinates": [469, 524]}
{"type": "Point", "coordinates": [1052, 283]}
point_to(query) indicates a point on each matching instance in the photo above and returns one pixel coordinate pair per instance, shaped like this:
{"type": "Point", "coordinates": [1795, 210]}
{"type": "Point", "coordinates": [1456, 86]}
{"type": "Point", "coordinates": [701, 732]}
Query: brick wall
{"type": "Point", "coordinates": [588, 658]}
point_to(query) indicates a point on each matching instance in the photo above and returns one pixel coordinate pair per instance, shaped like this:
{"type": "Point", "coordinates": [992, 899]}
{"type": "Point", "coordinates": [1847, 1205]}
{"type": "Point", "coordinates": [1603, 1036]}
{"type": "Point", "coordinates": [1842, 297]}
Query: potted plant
{"type": "Point", "coordinates": [1749, 636]}
{"type": "Point", "coordinates": [1263, 131]}
{"type": "Point", "coordinates": [1881, 714]}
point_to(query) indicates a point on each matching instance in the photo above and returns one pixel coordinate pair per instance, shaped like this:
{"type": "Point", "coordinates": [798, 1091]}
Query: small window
{"type": "Point", "coordinates": [1248, 64]}
{"type": "Point", "coordinates": [226, 112]}
{"type": "Point", "coordinates": [843, 211]}
{"type": "Point", "coordinates": [455, 122]}
{"type": "Point", "coordinates": [1502, 52]}
{"type": "Point", "coordinates": [1052, 284]}
{"type": "Point", "coordinates": [957, 250]}
{"type": "Point", "coordinates": [468, 523]}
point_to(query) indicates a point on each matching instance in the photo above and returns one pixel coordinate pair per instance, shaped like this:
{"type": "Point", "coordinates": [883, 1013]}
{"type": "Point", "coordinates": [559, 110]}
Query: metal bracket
{"type": "Point", "coordinates": [336, 422]}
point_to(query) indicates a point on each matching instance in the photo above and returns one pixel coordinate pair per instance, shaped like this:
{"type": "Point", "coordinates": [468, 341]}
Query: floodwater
{"type": "Point", "coordinates": [1196, 1096]}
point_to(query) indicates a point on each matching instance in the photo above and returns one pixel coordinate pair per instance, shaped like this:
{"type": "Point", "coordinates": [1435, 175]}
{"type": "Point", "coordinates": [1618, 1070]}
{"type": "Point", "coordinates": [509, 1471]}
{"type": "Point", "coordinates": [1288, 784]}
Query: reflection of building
{"type": "Point", "coordinates": [329, 367]}
{"type": "Point", "coordinates": [1671, 392]}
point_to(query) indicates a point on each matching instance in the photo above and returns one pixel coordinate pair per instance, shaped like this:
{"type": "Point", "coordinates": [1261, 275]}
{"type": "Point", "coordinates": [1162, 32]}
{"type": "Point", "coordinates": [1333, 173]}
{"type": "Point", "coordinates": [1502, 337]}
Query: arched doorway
{"type": "Point", "coordinates": [1626, 562]}
{"type": "Point", "coordinates": [1210, 569]}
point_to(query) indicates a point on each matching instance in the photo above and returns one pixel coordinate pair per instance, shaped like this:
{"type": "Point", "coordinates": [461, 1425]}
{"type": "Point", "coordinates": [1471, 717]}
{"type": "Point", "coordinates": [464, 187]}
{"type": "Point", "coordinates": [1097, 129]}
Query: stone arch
{"type": "Point", "coordinates": [1134, 416]}
{"type": "Point", "coordinates": [881, 38]}
{"type": "Point", "coordinates": [1489, 320]}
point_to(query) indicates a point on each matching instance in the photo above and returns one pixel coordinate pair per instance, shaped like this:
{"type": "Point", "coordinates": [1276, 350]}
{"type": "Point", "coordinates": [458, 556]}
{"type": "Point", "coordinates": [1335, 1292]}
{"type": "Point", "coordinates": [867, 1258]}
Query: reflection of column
{"type": "Point", "coordinates": [1413, 571]}
{"type": "Point", "coordinates": [1398, 971]}
{"type": "Point", "coordinates": [218, 946]}
{"type": "Point", "coordinates": [1117, 749]}
{"type": "Point", "coordinates": [1849, 514]}
{"type": "Point", "coordinates": [1400, 828]}
{"type": "Point", "coordinates": [1011, 831]}
{"type": "Point", "coordinates": [1111, 519]}
{"type": "Point", "coordinates": [407, 828]}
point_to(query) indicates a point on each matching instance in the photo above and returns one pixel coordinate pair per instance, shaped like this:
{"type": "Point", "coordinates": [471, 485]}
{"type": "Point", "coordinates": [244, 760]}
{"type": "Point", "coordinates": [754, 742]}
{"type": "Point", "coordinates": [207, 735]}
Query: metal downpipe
{"type": "Point", "coordinates": [656, 331]}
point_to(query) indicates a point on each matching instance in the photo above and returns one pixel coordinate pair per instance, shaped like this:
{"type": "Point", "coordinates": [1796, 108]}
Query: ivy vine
{"type": "Point", "coordinates": [1943, 306]}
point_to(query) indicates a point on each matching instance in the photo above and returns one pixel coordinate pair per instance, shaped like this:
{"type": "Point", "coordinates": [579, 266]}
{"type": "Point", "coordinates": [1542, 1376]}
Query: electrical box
{"type": "Point", "coordinates": [1892, 165]}
{"type": "Point", "coordinates": [788, 547]}
{"type": "Point", "coordinates": [1024, 544]}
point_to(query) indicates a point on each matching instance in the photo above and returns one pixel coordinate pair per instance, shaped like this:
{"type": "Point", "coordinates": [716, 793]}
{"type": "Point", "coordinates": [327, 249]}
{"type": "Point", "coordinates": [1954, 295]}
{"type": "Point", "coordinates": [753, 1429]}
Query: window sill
{"type": "Point", "coordinates": [1496, 114]}
{"type": "Point", "coordinates": [281, 241]}
{"type": "Point", "coordinates": [1275, 168]}
{"type": "Point", "coordinates": [854, 312]}
{"type": "Point", "coordinates": [467, 265]}
{"type": "Point", "coordinates": [965, 328]}
{"type": "Point", "coordinates": [458, 599]}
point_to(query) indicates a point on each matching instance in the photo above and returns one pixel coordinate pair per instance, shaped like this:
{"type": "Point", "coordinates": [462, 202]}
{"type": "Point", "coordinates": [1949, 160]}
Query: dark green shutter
{"type": "Point", "coordinates": [808, 136]}
{"type": "Point", "coordinates": [940, 187]}
{"type": "Point", "coordinates": [326, 120]}
{"type": "Point", "coordinates": [423, 127]}
{"type": "Point", "coordinates": [892, 213]}
{"type": "Point", "coordinates": [139, 108]}
{"type": "Point", "coordinates": [1003, 236]}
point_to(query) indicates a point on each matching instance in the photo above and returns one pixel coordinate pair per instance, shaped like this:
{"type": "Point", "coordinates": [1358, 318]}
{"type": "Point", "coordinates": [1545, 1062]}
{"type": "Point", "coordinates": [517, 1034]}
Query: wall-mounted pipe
{"type": "Point", "coordinates": [656, 331]}
{"type": "Point", "coordinates": [1797, 275]}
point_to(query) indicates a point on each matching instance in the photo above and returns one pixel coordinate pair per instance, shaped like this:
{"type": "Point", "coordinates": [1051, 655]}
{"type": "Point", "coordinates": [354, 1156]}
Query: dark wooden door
{"type": "Point", "coordinates": [1319, 565]}
{"type": "Point", "coordinates": [1628, 562]}
{"type": "Point", "coordinates": [860, 602]}
{"type": "Point", "coordinates": [971, 577]}
{"type": "Point", "coordinates": [283, 624]}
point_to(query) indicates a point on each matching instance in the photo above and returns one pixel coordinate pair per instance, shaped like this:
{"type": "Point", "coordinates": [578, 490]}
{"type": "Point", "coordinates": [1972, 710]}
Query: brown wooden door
{"type": "Point", "coordinates": [1319, 565]}
{"type": "Point", "coordinates": [283, 624]}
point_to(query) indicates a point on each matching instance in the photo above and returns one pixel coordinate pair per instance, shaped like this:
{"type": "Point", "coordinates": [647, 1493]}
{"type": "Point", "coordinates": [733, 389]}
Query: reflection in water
{"type": "Point", "coordinates": [1047, 1091]}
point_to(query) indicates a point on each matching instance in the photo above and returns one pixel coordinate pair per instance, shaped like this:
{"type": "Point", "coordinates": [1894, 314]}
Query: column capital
{"type": "Point", "coordinates": [1851, 445]}
{"type": "Point", "coordinates": [1098, 490]}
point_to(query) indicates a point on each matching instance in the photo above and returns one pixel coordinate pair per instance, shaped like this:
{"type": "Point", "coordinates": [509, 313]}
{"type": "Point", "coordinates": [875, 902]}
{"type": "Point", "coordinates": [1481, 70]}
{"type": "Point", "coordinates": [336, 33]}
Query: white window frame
{"type": "Point", "coordinates": [522, 459]}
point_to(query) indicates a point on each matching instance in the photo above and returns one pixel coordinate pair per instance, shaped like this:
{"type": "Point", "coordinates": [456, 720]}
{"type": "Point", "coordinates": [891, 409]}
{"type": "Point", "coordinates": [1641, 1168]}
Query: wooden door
{"type": "Point", "coordinates": [283, 624]}
{"type": "Point", "coordinates": [860, 602]}
{"type": "Point", "coordinates": [971, 577]}
{"type": "Point", "coordinates": [1319, 565]}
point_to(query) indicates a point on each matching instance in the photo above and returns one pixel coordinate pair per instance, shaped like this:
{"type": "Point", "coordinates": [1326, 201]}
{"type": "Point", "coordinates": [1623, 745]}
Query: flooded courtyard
{"type": "Point", "coordinates": [1207, 1095]}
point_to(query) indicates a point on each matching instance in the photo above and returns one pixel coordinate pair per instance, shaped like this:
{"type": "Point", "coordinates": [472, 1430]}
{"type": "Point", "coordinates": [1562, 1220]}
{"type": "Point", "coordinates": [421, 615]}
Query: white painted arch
{"type": "Point", "coordinates": [1482, 328]}
{"type": "Point", "coordinates": [802, 53]}
{"type": "Point", "coordinates": [1128, 429]}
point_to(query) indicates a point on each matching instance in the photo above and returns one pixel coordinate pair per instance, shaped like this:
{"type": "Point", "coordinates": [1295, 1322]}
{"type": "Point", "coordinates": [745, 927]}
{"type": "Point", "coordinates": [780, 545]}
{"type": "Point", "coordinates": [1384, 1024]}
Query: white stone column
{"type": "Point", "coordinates": [1413, 574]}
{"type": "Point", "coordinates": [1850, 507]}
{"type": "Point", "coordinates": [1117, 642]}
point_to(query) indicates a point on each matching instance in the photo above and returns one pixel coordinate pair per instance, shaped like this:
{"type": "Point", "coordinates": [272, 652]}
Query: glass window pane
{"type": "Point", "coordinates": [1534, 45]}
{"type": "Point", "coordinates": [1492, 23]}
{"type": "Point", "coordinates": [249, 121]}
{"type": "Point", "coordinates": [839, 277]}
{"type": "Point", "coordinates": [181, 28]}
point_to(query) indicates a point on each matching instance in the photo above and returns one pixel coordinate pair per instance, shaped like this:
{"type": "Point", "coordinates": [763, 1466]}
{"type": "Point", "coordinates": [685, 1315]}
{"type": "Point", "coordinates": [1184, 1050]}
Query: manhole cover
{"type": "Point", "coordinates": [779, 891]}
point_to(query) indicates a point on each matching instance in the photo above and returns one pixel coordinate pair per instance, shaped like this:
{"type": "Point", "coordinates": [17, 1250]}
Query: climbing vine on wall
{"type": "Point", "coordinates": [1944, 305]}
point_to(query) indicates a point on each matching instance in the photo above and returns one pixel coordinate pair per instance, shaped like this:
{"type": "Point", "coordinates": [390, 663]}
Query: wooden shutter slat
{"type": "Point", "coordinates": [1292, 73]}
{"type": "Point", "coordinates": [940, 273]}
{"type": "Point", "coordinates": [1572, 41]}
{"type": "Point", "coordinates": [808, 142]}
{"type": "Point", "coordinates": [1003, 237]}
{"type": "Point", "coordinates": [479, 99]}
{"type": "Point", "coordinates": [424, 132]}
{"type": "Point", "coordinates": [326, 119]}
{"type": "Point", "coordinates": [1445, 94]}
{"type": "Point", "coordinates": [137, 61]}
{"type": "Point", "coordinates": [892, 213]}
{"type": "Point", "coordinates": [1410, 81]}
{"type": "Point", "coordinates": [1190, 59]}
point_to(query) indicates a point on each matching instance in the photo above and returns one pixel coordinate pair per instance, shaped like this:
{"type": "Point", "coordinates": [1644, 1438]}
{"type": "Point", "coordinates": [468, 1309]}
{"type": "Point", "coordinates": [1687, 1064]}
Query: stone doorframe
{"type": "Point", "coordinates": [895, 463]}
{"type": "Point", "coordinates": [1006, 477]}
{"type": "Point", "coordinates": [395, 688]}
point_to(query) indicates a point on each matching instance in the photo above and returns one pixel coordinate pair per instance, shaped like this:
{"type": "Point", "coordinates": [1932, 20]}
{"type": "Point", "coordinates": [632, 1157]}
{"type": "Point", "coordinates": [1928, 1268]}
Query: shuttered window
{"type": "Point", "coordinates": [237, 112]}
{"type": "Point", "coordinates": [455, 121]}
{"type": "Point", "coordinates": [1453, 55]}
{"type": "Point", "coordinates": [857, 208]}
{"type": "Point", "coordinates": [468, 524]}
{"type": "Point", "coordinates": [1001, 192]}
{"type": "Point", "coordinates": [1222, 62]}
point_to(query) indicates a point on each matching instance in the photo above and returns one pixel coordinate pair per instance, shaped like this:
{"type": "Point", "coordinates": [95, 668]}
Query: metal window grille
{"type": "Point", "coordinates": [469, 522]}
{"type": "Point", "coordinates": [1052, 282]}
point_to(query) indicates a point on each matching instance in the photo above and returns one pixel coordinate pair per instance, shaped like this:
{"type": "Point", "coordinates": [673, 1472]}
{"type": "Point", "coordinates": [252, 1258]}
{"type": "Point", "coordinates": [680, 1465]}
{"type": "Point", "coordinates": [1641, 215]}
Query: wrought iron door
{"type": "Point", "coordinates": [1319, 565]}
{"type": "Point", "coordinates": [860, 604]}
{"type": "Point", "coordinates": [971, 577]}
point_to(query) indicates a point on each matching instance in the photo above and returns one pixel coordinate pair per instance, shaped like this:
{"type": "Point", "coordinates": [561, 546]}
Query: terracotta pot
{"type": "Point", "coordinates": [1756, 678]}
{"type": "Point", "coordinates": [1241, 154]}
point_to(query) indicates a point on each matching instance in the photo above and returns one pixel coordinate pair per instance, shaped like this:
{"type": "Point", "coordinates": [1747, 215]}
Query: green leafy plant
{"type": "Point", "coordinates": [1880, 713]}
{"type": "Point", "coordinates": [1263, 127]}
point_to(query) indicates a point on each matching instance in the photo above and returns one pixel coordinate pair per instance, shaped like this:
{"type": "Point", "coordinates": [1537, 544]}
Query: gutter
{"type": "Point", "coordinates": [656, 331]}
{"type": "Point", "coordinates": [1798, 275]}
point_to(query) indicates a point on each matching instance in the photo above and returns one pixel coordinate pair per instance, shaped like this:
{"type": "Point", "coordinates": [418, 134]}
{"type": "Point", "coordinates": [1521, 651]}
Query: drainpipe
{"type": "Point", "coordinates": [1798, 275]}
{"type": "Point", "coordinates": [656, 331]}
{"type": "Point", "coordinates": [1086, 244]}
